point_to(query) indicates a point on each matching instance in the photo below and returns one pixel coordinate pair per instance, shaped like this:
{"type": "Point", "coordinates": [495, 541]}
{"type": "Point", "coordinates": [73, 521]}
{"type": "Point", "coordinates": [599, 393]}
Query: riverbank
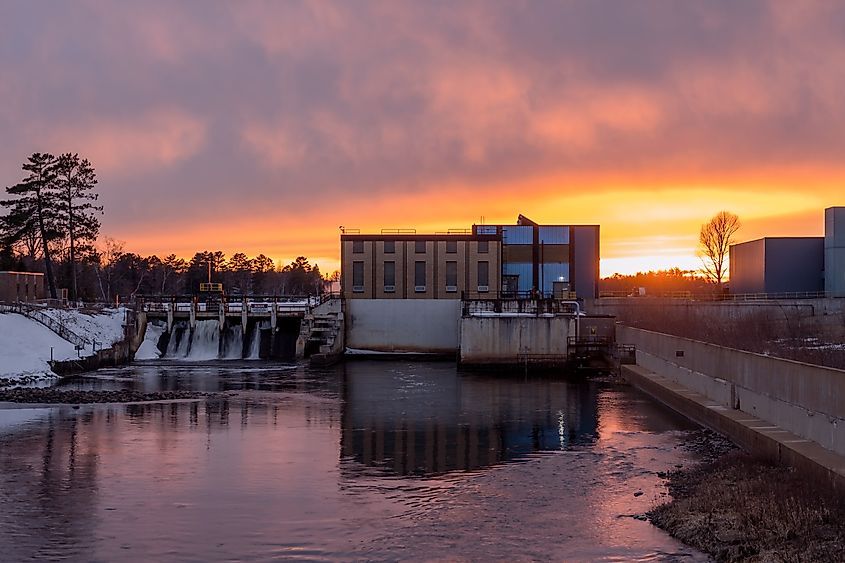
{"type": "Point", "coordinates": [738, 508]}
{"type": "Point", "coordinates": [27, 347]}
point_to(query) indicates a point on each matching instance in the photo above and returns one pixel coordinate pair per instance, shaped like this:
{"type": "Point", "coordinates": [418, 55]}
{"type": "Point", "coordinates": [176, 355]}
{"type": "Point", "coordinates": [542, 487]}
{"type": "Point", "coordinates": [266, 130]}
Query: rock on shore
{"type": "Point", "coordinates": [55, 395]}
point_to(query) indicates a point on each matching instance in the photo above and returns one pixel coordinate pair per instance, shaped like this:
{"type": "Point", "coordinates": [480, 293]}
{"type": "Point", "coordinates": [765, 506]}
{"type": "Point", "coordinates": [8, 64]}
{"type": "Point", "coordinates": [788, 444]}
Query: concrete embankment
{"type": "Point", "coordinates": [782, 410]}
{"type": "Point", "coordinates": [118, 354]}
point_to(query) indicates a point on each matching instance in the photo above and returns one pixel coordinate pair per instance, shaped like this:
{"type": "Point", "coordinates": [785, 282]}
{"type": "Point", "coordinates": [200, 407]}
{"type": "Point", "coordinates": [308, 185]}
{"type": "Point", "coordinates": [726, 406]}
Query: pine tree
{"type": "Point", "coordinates": [36, 200]}
{"type": "Point", "coordinates": [77, 209]}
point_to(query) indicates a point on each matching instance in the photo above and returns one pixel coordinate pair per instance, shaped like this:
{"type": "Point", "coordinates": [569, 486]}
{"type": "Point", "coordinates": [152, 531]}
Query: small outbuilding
{"type": "Point", "coordinates": [21, 286]}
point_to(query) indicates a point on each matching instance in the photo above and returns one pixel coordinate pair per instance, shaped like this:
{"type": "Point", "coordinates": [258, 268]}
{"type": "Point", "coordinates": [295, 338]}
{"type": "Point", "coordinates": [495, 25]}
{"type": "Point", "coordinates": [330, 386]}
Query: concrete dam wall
{"type": "Point", "coordinates": [403, 325]}
{"type": "Point", "coordinates": [506, 340]}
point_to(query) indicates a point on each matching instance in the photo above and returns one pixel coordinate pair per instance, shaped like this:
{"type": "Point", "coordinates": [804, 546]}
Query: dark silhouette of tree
{"type": "Point", "coordinates": [108, 274]}
{"type": "Point", "coordinates": [172, 267]}
{"type": "Point", "coordinates": [301, 278]}
{"type": "Point", "coordinates": [201, 265]}
{"type": "Point", "coordinates": [240, 273]}
{"type": "Point", "coordinates": [77, 209]}
{"type": "Point", "coordinates": [35, 209]}
{"type": "Point", "coordinates": [263, 269]}
{"type": "Point", "coordinates": [715, 239]}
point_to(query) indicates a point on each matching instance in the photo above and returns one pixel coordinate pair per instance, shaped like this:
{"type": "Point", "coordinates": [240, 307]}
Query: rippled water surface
{"type": "Point", "coordinates": [370, 460]}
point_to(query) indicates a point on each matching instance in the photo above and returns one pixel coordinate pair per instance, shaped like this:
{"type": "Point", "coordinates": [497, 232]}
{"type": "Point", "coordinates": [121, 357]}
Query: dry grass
{"type": "Point", "coordinates": [740, 509]}
{"type": "Point", "coordinates": [782, 335]}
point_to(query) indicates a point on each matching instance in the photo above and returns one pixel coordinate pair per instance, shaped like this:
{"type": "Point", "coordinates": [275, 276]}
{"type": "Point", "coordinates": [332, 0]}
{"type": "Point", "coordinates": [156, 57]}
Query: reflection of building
{"type": "Point", "coordinates": [453, 423]}
{"type": "Point", "coordinates": [487, 260]}
{"type": "Point", "coordinates": [793, 264]}
{"type": "Point", "coordinates": [21, 286]}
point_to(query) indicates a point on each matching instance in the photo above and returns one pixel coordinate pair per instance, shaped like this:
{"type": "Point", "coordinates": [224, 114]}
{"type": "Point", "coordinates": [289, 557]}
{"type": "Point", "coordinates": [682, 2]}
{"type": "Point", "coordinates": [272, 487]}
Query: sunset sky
{"type": "Point", "coordinates": [263, 127]}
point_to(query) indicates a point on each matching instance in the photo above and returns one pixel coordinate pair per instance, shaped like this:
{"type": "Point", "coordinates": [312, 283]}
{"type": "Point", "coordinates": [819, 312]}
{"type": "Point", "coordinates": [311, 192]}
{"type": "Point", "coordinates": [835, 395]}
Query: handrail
{"type": "Point", "coordinates": [398, 231]}
{"type": "Point", "coordinates": [56, 326]}
{"type": "Point", "coordinates": [159, 303]}
{"type": "Point", "coordinates": [689, 296]}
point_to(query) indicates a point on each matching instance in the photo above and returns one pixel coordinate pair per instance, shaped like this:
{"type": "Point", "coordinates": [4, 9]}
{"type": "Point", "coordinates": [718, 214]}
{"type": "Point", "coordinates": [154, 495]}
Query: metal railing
{"type": "Point", "coordinates": [689, 296]}
{"type": "Point", "coordinates": [517, 295]}
{"type": "Point", "coordinates": [33, 312]}
{"type": "Point", "coordinates": [255, 304]}
{"type": "Point", "coordinates": [398, 231]}
{"type": "Point", "coordinates": [479, 304]}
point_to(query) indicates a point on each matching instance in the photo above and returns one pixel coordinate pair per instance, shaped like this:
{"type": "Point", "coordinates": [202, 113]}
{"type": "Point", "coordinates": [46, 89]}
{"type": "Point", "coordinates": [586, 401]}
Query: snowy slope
{"type": "Point", "coordinates": [106, 327]}
{"type": "Point", "coordinates": [25, 347]}
{"type": "Point", "coordinates": [25, 344]}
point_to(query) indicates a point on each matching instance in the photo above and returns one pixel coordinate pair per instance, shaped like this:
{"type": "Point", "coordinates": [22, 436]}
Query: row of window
{"type": "Point", "coordinates": [26, 289]}
{"type": "Point", "coordinates": [419, 276]}
{"type": "Point", "coordinates": [419, 246]}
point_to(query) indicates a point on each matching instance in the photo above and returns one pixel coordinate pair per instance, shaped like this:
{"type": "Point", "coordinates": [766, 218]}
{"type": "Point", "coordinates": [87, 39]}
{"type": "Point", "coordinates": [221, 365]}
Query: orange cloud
{"type": "Point", "coordinates": [124, 146]}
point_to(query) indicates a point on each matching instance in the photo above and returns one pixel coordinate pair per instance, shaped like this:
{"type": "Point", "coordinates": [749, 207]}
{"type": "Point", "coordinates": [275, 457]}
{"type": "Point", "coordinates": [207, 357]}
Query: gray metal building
{"type": "Point", "coordinates": [834, 251]}
{"type": "Point", "coordinates": [780, 265]}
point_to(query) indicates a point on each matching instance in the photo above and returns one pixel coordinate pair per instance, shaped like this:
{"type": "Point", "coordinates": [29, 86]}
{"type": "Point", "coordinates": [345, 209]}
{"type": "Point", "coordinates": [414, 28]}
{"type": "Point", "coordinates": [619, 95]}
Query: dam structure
{"type": "Point", "coordinates": [253, 327]}
{"type": "Point", "coordinates": [491, 295]}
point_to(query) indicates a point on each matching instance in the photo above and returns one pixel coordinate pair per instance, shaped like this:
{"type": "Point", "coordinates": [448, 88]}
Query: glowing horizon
{"type": "Point", "coordinates": [262, 127]}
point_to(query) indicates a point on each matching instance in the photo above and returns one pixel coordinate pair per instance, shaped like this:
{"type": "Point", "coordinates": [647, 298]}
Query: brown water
{"type": "Point", "coordinates": [372, 460]}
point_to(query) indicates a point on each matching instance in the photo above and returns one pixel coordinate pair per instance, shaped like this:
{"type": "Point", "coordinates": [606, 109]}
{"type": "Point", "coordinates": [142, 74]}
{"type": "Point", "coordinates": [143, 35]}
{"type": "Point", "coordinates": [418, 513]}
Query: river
{"type": "Point", "coordinates": [367, 460]}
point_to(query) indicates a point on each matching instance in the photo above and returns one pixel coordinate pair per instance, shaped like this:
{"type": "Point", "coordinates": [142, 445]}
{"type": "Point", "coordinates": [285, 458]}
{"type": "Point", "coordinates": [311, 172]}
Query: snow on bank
{"type": "Point", "coordinates": [25, 347]}
{"type": "Point", "coordinates": [105, 327]}
{"type": "Point", "coordinates": [25, 344]}
{"type": "Point", "coordinates": [149, 347]}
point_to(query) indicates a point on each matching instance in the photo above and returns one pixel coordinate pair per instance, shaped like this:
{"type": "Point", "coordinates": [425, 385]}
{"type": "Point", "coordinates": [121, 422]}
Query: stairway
{"type": "Point", "coordinates": [323, 332]}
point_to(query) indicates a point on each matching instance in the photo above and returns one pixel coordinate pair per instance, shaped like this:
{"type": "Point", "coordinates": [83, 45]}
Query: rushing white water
{"type": "Point", "coordinates": [207, 342]}
{"type": "Point", "coordinates": [255, 342]}
{"type": "Point", "coordinates": [233, 343]}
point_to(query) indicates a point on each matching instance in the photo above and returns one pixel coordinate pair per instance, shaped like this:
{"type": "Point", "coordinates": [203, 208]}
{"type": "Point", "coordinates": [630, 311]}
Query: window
{"type": "Point", "coordinates": [451, 246]}
{"type": "Point", "coordinates": [483, 246]}
{"type": "Point", "coordinates": [357, 246]}
{"type": "Point", "coordinates": [357, 277]}
{"type": "Point", "coordinates": [390, 247]}
{"type": "Point", "coordinates": [419, 246]}
{"type": "Point", "coordinates": [451, 276]}
{"type": "Point", "coordinates": [419, 276]}
{"type": "Point", "coordinates": [483, 275]}
{"type": "Point", "coordinates": [389, 276]}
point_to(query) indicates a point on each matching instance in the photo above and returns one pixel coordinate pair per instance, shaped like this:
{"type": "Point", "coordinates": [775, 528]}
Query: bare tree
{"type": "Point", "coordinates": [109, 253]}
{"type": "Point", "coordinates": [715, 239]}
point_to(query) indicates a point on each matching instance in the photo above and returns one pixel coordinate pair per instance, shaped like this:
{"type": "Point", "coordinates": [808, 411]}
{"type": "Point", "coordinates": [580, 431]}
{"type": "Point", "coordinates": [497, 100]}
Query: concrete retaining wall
{"type": "Point", "coordinates": [513, 340]}
{"type": "Point", "coordinates": [816, 317]}
{"type": "Point", "coordinates": [403, 325]}
{"type": "Point", "coordinates": [755, 435]}
{"type": "Point", "coordinates": [120, 353]}
{"type": "Point", "coordinates": [804, 399]}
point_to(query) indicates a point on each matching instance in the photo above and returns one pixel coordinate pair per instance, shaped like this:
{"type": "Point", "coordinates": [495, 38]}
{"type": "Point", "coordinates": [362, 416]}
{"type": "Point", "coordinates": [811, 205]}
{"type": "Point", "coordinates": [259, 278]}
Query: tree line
{"type": "Point", "coordinates": [52, 212]}
{"type": "Point", "coordinates": [51, 225]}
{"type": "Point", "coordinates": [128, 274]}
{"type": "Point", "coordinates": [673, 280]}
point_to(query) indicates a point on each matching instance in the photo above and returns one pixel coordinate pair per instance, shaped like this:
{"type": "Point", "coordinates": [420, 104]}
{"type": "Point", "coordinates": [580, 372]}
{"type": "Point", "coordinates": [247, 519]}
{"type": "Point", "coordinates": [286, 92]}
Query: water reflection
{"type": "Point", "coordinates": [421, 420]}
{"type": "Point", "coordinates": [379, 460]}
